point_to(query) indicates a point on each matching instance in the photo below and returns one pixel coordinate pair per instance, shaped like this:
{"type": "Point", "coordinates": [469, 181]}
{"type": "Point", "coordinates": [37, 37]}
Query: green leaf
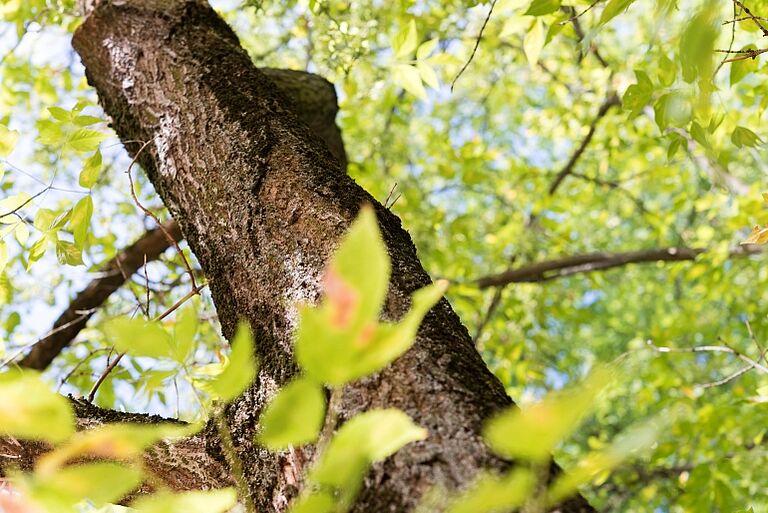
{"type": "Point", "coordinates": [241, 368]}
{"type": "Point", "coordinates": [90, 173]}
{"type": "Point", "coordinates": [100, 483]}
{"type": "Point", "coordinates": [667, 70]}
{"type": "Point", "coordinates": [3, 255]}
{"type": "Point", "coordinates": [428, 75]}
{"type": "Point", "coordinates": [85, 139]}
{"type": "Point", "coordinates": [633, 440]}
{"type": "Point", "coordinates": [337, 358]}
{"type": "Point", "coordinates": [542, 7]}
{"type": "Point", "coordinates": [405, 42]}
{"type": "Point", "coordinates": [294, 416]}
{"type": "Point", "coordinates": [491, 493]}
{"type": "Point", "coordinates": [184, 332]}
{"type": "Point", "coordinates": [342, 339]}
{"type": "Point", "coordinates": [80, 220]}
{"type": "Point", "coordinates": [743, 136]}
{"type": "Point", "coordinates": [68, 253]}
{"type": "Point", "coordinates": [317, 502]}
{"type": "Point", "coordinates": [37, 250]}
{"type": "Point", "coordinates": [697, 44]}
{"type": "Point", "coordinates": [408, 77]}
{"type": "Point", "coordinates": [211, 501]}
{"type": "Point", "coordinates": [354, 294]}
{"type": "Point", "coordinates": [30, 409]}
{"type": "Point", "coordinates": [86, 120]}
{"type": "Point", "coordinates": [742, 68]}
{"type": "Point", "coordinates": [21, 233]}
{"type": "Point", "coordinates": [672, 109]}
{"type": "Point", "coordinates": [426, 48]}
{"type": "Point", "coordinates": [138, 337]}
{"type": "Point", "coordinates": [613, 9]}
{"type": "Point", "coordinates": [365, 439]}
{"type": "Point", "coordinates": [533, 432]}
{"type": "Point", "coordinates": [533, 42]}
{"type": "Point", "coordinates": [60, 114]}
{"type": "Point", "coordinates": [13, 204]}
{"type": "Point", "coordinates": [8, 140]}
{"type": "Point", "coordinates": [700, 135]}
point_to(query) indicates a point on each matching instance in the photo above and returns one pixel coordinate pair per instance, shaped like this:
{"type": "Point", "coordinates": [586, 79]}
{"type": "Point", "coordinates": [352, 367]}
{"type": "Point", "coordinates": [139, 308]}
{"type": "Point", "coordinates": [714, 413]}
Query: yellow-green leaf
{"type": "Point", "coordinates": [241, 368]}
{"type": "Point", "coordinates": [405, 43]}
{"type": "Point", "coordinates": [533, 42]}
{"type": "Point", "coordinates": [210, 501]}
{"type": "Point", "coordinates": [138, 337]}
{"type": "Point", "coordinates": [531, 433]}
{"type": "Point", "coordinates": [100, 483]}
{"type": "Point", "coordinates": [294, 416]}
{"type": "Point", "coordinates": [407, 76]}
{"type": "Point", "coordinates": [91, 170]}
{"type": "Point", "coordinates": [80, 220]}
{"type": "Point", "coordinates": [85, 139]}
{"type": "Point", "coordinates": [8, 140]}
{"type": "Point", "coordinates": [30, 409]}
{"type": "Point", "coordinates": [542, 7]}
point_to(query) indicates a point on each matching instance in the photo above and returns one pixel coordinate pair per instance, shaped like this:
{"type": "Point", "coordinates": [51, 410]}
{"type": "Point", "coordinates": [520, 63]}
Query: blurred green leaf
{"type": "Point", "coordinates": [240, 370]}
{"type": "Point", "coordinates": [30, 409]}
{"type": "Point", "coordinates": [211, 501]}
{"type": "Point", "coordinates": [532, 432]}
{"type": "Point", "coordinates": [294, 416]}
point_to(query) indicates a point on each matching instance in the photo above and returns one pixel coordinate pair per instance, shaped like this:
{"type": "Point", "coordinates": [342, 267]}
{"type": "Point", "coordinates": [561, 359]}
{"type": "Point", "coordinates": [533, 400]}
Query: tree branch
{"type": "Point", "coordinates": [191, 463]}
{"type": "Point", "coordinates": [611, 101]}
{"type": "Point", "coordinates": [566, 266]}
{"type": "Point", "coordinates": [112, 276]}
{"type": "Point", "coordinates": [311, 97]}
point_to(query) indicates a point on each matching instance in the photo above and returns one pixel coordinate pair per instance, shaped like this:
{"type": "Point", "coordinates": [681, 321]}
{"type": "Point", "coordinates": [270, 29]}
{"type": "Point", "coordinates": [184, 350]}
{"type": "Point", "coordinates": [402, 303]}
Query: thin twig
{"type": "Point", "coordinates": [752, 17]}
{"type": "Point", "coordinates": [477, 44]}
{"type": "Point", "coordinates": [730, 45]}
{"type": "Point", "coordinates": [155, 218]}
{"type": "Point", "coordinates": [610, 101]}
{"type": "Point", "coordinates": [582, 13]}
{"type": "Point", "coordinates": [745, 18]}
{"type": "Point", "coordinates": [710, 349]}
{"type": "Point", "coordinates": [750, 55]}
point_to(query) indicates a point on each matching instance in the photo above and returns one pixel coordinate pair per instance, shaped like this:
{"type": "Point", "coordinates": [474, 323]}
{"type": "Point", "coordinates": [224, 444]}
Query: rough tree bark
{"type": "Point", "coordinates": [263, 204]}
{"type": "Point", "coordinates": [311, 98]}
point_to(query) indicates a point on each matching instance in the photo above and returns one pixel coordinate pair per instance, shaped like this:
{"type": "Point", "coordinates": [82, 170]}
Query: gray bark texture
{"type": "Point", "coordinates": [263, 204]}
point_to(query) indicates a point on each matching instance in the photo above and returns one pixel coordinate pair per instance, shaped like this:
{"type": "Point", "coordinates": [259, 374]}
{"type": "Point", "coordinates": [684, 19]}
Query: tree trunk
{"type": "Point", "coordinates": [263, 204]}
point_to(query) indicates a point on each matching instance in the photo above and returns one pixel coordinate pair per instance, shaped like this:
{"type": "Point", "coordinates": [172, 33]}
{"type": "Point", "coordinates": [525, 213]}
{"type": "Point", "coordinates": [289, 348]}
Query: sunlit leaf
{"type": "Point", "coordinates": [743, 136]}
{"type": "Point", "coordinates": [85, 139]}
{"type": "Point", "coordinates": [8, 140]}
{"type": "Point", "coordinates": [99, 483]}
{"type": "Point", "coordinates": [210, 501]}
{"type": "Point", "coordinates": [91, 170]}
{"type": "Point", "coordinates": [533, 42]}
{"type": "Point", "coordinates": [613, 9]}
{"type": "Point", "coordinates": [365, 439]}
{"type": "Point", "coordinates": [80, 220]}
{"type": "Point", "coordinates": [138, 337]}
{"type": "Point", "coordinates": [405, 43]}
{"type": "Point", "coordinates": [408, 77]}
{"type": "Point", "coordinates": [531, 433]}
{"type": "Point", "coordinates": [30, 409]}
{"type": "Point", "coordinates": [491, 493]}
{"type": "Point", "coordinates": [541, 7]}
